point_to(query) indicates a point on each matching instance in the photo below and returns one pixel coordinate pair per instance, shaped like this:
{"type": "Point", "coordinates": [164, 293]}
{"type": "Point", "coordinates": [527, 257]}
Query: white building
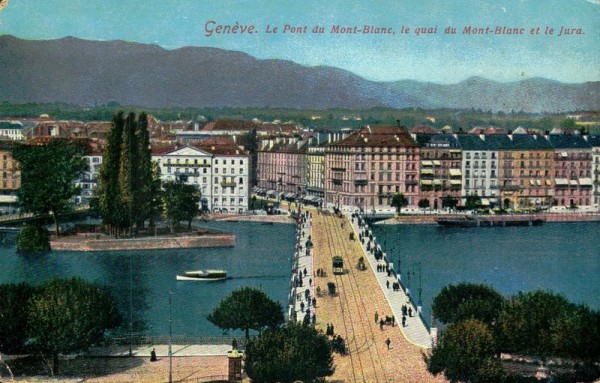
{"type": "Point", "coordinates": [221, 174]}
{"type": "Point", "coordinates": [595, 142]}
{"type": "Point", "coordinates": [88, 180]}
{"type": "Point", "coordinates": [479, 168]}
{"type": "Point", "coordinates": [12, 130]}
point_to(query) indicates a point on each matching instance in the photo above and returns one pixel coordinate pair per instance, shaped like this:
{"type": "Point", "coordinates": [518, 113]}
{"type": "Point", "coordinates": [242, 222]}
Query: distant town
{"type": "Point", "coordinates": [229, 161]}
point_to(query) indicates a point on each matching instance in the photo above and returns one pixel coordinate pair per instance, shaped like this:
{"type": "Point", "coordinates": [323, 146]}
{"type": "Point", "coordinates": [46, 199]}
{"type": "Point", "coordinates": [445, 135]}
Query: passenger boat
{"type": "Point", "coordinates": [203, 275]}
{"type": "Point", "coordinates": [492, 221]}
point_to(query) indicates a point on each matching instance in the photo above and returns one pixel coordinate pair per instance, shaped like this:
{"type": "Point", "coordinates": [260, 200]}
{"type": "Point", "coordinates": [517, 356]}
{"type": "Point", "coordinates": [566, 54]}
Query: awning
{"type": "Point", "coordinates": [563, 154]}
{"type": "Point", "coordinates": [573, 182]}
{"type": "Point", "coordinates": [437, 163]}
{"type": "Point", "coordinates": [548, 183]}
{"type": "Point", "coordinates": [427, 171]}
{"type": "Point", "coordinates": [426, 163]}
{"type": "Point", "coordinates": [455, 182]}
{"type": "Point", "coordinates": [538, 182]}
{"type": "Point", "coordinates": [426, 182]}
{"type": "Point", "coordinates": [454, 150]}
{"type": "Point", "coordinates": [455, 173]}
{"type": "Point", "coordinates": [585, 182]}
{"type": "Point", "coordinates": [561, 181]}
{"type": "Point", "coordinates": [8, 198]}
{"type": "Point", "coordinates": [485, 202]}
{"type": "Point", "coordinates": [437, 182]}
{"type": "Point", "coordinates": [531, 182]}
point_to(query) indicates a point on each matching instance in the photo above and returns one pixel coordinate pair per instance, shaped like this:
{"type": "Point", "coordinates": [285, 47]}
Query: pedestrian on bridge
{"type": "Point", "coordinates": [387, 343]}
{"type": "Point", "coordinates": [376, 317]}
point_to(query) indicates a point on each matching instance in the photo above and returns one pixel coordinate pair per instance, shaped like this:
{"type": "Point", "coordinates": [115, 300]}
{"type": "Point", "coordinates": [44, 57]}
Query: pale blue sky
{"type": "Point", "coordinates": [437, 57]}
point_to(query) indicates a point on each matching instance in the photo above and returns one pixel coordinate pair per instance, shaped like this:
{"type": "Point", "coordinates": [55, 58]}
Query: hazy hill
{"type": "Point", "coordinates": [86, 72]}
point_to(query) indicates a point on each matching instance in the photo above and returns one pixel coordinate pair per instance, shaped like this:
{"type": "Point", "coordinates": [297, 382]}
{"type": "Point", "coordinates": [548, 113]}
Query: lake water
{"type": "Point", "coordinates": [564, 258]}
{"type": "Point", "coordinates": [261, 258]}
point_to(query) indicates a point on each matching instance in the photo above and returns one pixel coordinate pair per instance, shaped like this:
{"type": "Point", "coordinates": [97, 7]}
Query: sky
{"type": "Point", "coordinates": [431, 56]}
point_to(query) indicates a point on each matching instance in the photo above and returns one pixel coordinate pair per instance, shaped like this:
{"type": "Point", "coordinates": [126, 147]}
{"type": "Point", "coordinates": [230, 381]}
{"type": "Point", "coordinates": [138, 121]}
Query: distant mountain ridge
{"type": "Point", "coordinates": [88, 73]}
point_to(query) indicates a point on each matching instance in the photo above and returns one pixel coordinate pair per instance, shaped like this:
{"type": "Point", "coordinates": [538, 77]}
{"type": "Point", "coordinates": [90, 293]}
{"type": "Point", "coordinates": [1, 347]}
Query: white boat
{"type": "Point", "coordinates": [203, 275]}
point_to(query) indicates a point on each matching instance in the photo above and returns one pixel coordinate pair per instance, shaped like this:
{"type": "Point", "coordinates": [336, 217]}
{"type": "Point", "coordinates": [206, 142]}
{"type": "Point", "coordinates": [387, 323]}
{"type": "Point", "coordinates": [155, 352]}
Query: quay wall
{"type": "Point", "coordinates": [431, 219]}
{"type": "Point", "coordinates": [83, 243]}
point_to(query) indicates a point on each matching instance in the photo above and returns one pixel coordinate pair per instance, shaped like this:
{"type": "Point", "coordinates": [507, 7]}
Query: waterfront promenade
{"type": "Point", "coordinates": [359, 295]}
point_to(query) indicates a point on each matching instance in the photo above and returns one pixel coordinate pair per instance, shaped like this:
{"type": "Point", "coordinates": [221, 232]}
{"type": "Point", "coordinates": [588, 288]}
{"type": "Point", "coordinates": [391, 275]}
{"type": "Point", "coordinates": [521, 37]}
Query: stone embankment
{"type": "Point", "coordinates": [98, 242]}
{"type": "Point", "coordinates": [430, 219]}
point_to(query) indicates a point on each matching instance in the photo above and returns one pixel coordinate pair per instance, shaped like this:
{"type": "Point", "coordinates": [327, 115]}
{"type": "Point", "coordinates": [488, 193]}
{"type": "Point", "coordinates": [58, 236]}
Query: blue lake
{"type": "Point", "coordinates": [261, 258]}
{"type": "Point", "coordinates": [564, 258]}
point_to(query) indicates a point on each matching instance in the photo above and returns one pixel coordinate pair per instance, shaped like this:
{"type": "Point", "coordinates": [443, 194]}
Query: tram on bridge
{"type": "Point", "coordinates": [338, 265]}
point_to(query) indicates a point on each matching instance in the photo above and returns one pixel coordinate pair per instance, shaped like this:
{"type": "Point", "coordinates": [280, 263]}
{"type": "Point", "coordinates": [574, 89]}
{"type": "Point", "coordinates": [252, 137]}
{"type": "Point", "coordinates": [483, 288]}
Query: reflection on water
{"type": "Point", "coordinates": [260, 258]}
{"type": "Point", "coordinates": [562, 257]}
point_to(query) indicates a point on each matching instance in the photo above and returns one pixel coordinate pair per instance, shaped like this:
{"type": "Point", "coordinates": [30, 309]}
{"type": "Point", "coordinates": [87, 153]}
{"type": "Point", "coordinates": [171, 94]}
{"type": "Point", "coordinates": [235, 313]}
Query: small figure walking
{"type": "Point", "coordinates": [381, 323]}
{"type": "Point", "coordinates": [376, 317]}
{"type": "Point", "coordinates": [387, 343]}
{"type": "Point", "coordinates": [403, 320]}
{"type": "Point", "coordinates": [410, 311]}
{"type": "Point", "coordinates": [153, 355]}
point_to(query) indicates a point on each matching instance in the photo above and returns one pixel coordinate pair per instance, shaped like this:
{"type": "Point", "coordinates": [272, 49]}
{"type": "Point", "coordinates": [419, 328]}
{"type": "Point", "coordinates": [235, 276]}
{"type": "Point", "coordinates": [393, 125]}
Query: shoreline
{"type": "Point", "coordinates": [96, 242]}
{"type": "Point", "coordinates": [430, 219]}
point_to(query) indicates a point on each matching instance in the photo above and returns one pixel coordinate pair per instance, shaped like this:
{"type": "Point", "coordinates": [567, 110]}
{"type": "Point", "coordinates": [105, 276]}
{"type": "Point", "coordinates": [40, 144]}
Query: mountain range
{"type": "Point", "coordinates": [89, 73]}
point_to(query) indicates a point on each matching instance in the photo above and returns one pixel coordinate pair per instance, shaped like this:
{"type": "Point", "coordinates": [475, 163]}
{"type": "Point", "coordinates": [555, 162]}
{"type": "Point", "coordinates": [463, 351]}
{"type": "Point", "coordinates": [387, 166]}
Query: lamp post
{"type": "Point", "coordinates": [130, 305]}
{"type": "Point", "coordinates": [170, 342]}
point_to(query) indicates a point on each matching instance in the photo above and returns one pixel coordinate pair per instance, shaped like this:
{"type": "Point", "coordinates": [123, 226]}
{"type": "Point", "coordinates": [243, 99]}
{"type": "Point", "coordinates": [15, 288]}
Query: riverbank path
{"type": "Point", "coordinates": [352, 311]}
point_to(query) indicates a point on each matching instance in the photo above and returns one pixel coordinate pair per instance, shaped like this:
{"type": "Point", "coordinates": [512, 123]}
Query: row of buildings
{"type": "Point", "coordinates": [228, 160]}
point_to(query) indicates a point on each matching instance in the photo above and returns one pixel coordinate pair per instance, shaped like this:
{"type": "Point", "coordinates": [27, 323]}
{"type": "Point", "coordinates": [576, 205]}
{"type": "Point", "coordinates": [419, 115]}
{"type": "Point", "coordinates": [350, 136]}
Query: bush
{"type": "Point", "coordinates": [33, 237]}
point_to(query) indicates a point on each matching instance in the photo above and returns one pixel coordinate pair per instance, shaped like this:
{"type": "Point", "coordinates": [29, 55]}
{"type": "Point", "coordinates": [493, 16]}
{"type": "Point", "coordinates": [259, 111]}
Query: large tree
{"type": "Point", "coordinates": [399, 201]}
{"type": "Point", "coordinates": [68, 316]}
{"type": "Point", "coordinates": [292, 353]}
{"type": "Point", "coordinates": [126, 175]}
{"type": "Point", "coordinates": [528, 322]}
{"type": "Point", "coordinates": [247, 309]}
{"type": "Point", "coordinates": [467, 300]}
{"type": "Point", "coordinates": [180, 202]}
{"type": "Point", "coordinates": [108, 186]}
{"type": "Point", "coordinates": [14, 317]}
{"type": "Point", "coordinates": [48, 175]}
{"type": "Point", "coordinates": [466, 352]}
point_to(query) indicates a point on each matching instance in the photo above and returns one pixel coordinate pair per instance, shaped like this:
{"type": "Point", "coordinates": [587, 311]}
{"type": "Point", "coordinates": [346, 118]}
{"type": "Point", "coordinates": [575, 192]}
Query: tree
{"type": "Point", "coordinates": [33, 237]}
{"type": "Point", "coordinates": [465, 352]}
{"type": "Point", "coordinates": [180, 202]}
{"type": "Point", "coordinates": [68, 316]}
{"type": "Point", "coordinates": [126, 176]}
{"type": "Point", "coordinates": [14, 317]}
{"type": "Point", "coordinates": [247, 309]}
{"type": "Point", "coordinates": [568, 124]}
{"type": "Point", "coordinates": [48, 174]}
{"type": "Point", "coordinates": [399, 201]}
{"type": "Point", "coordinates": [577, 334]}
{"type": "Point", "coordinates": [467, 300]}
{"type": "Point", "coordinates": [108, 185]}
{"type": "Point", "coordinates": [295, 352]}
{"type": "Point", "coordinates": [473, 202]}
{"type": "Point", "coordinates": [424, 203]}
{"type": "Point", "coordinates": [526, 323]}
{"type": "Point", "coordinates": [449, 201]}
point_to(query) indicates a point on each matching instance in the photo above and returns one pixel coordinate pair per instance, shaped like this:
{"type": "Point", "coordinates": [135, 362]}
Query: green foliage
{"type": "Point", "coordinates": [126, 177]}
{"type": "Point", "coordinates": [294, 352]}
{"type": "Point", "coordinates": [68, 316]}
{"type": "Point", "coordinates": [14, 317]}
{"type": "Point", "coordinates": [546, 324]}
{"type": "Point", "coordinates": [466, 300]}
{"type": "Point", "coordinates": [568, 124]}
{"type": "Point", "coordinates": [399, 201]}
{"type": "Point", "coordinates": [180, 202]}
{"type": "Point", "coordinates": [424, 203]}
{"type": "Point", "coordinates": [33, 237]}
{"type": "Point", "coordinates": [449, 201]}
{"type": "Point", "coordinates": [472, 202]}
{"type": "Point", "coordinates": [247, 309]}
{"type": "Point", "coordinates": [48, 174]}
{"type": "Point", "coordinates": [465, 352]}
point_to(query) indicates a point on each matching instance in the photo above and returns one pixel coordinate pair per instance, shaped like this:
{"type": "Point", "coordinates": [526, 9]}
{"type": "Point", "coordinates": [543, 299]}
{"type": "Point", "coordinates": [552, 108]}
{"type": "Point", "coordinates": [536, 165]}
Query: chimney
{"type": "Point", "coordinates": [329, 138]}
{"type": "Point", "coordinates": [196, 126]}
{"type": "Point", "coordinates": [482, 136]}
{"type": "Point", "coordinates": [271, 144]}
{"type": "Point", "coordinates": [234, 139]}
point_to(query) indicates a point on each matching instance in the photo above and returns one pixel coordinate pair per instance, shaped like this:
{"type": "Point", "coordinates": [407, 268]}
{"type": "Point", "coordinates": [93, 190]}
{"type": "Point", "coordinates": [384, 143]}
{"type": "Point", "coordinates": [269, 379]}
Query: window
{"type": "Point", "coordinates": [241, 181]}
{"type": "Point", "coordinates": [216, 162]}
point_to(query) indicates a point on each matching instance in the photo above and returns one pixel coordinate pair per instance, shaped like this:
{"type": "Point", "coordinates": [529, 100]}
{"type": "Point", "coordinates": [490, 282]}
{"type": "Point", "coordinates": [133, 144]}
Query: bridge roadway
{"type": "Point", "coordinates": [352, 312]}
